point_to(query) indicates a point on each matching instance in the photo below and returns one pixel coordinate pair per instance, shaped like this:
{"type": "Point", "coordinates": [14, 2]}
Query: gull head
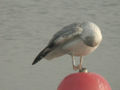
{"type": "Point", "coordinates": [91, 34]}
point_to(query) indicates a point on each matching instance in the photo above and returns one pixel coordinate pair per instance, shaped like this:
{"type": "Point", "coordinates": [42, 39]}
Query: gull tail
{"type": "Point", "coordinates": [41, 55]}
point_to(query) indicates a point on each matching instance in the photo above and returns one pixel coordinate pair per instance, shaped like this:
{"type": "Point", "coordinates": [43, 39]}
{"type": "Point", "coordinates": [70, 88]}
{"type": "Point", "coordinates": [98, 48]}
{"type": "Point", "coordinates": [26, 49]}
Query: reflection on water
{"type": "Point", "coordinates": [26, 27]}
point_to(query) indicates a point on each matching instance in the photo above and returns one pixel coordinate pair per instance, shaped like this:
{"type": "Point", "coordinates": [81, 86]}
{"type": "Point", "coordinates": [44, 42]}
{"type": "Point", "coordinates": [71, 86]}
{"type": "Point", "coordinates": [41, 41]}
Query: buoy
{"type": "Point", "coordinates": [84, 81]}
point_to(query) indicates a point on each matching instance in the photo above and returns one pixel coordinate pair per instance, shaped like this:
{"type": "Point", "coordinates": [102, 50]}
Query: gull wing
{"type": "Point", "coordinates": [65, 34]}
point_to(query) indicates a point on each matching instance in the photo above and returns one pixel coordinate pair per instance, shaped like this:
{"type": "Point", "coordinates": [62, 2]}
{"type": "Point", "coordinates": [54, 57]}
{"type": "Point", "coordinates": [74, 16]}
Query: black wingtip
{"type": "Point", "coordinates": [41, 55]}
{"type": "Point", "coordinates": [35, 61]}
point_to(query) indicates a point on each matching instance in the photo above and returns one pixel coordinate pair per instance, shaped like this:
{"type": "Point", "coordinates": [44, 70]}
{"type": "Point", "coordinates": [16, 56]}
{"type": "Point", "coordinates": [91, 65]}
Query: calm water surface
{"type": "Point", "coordinates": [26, 26]}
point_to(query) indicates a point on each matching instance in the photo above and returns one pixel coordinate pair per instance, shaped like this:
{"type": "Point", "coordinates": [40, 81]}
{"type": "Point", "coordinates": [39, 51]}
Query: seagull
{"type": "Point", "coordinates": [76, 39]}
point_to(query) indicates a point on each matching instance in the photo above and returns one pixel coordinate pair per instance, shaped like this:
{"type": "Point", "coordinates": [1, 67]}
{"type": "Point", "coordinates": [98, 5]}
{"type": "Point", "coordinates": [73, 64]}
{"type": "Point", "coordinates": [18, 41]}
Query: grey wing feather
{"type": "Point", "coordinates": [66, 33]}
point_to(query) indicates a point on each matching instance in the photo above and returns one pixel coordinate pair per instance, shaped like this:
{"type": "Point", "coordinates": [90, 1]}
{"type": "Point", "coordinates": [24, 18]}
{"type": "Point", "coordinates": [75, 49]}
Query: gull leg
{"type": "Point", "coordinates": [73, 63]}
{"type": "Point", "coordinates": [80, 66]}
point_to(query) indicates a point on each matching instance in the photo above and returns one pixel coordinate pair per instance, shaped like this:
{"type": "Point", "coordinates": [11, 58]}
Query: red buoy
{"type": "Point", "coordinates": [84, 81]}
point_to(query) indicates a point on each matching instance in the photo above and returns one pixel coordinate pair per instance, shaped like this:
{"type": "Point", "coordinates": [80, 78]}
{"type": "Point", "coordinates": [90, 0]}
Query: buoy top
{"type": "Point", "coordinates": [84, 81]}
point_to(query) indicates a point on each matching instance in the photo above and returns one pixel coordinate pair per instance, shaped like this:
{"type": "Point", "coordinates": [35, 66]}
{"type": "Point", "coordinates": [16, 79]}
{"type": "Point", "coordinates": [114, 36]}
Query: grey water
{"type": "Point", "coordinates": [26, 26]}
